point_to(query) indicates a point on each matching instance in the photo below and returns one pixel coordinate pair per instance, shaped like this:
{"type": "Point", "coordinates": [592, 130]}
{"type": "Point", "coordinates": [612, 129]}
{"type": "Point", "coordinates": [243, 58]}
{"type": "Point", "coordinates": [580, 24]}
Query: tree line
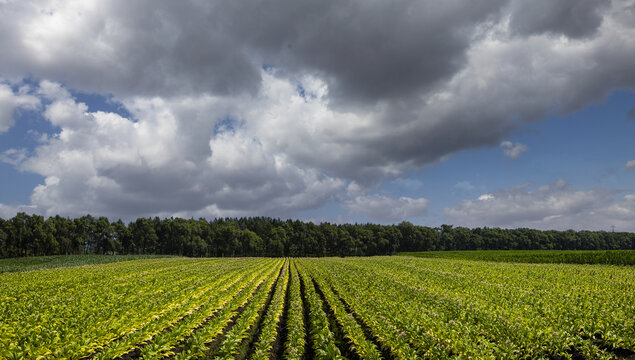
{"type": "Point", "coordinates": [33, 235]}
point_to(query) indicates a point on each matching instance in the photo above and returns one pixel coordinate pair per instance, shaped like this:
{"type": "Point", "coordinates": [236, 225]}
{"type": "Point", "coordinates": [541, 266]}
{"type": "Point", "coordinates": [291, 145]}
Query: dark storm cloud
{"type": "Point", "coordinates": [572, 18]}
{"type": "Point", "coordinates": [367, 50]}
{"type": "Point", "coordinates": [128, 48]}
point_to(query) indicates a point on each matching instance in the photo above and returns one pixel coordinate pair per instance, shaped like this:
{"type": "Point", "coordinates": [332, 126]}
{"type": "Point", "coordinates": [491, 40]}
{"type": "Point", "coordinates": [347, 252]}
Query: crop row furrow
{"type": "Point", "coordinates": [163, 321]}
{"type": "Point", "coordinates": [239, 338]}
{"type": "Point", "coordinates": [385, 332]}
{"type": "Point", "coordinates": [361, 340]}
{"type": "Point", "coordinates": [293, 348]}
{"type": "Point", "coordinates": [164, 343]}
{"type": "Point", "coordinates": [269, 329]}
{"type": "Point", "coordinates": [209, 335]}
{"type": "Point", "coordinates": [106, 310]}
{"type": "Point", "coordinates": [324, 342]}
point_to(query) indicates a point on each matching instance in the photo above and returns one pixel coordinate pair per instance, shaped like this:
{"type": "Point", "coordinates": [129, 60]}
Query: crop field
{"type": "Point", "coordinates": [612, 257]}
{"type": "Point", "coordinates": [55, 261]}
{"type": "Point", "coordinates": [327, 308]}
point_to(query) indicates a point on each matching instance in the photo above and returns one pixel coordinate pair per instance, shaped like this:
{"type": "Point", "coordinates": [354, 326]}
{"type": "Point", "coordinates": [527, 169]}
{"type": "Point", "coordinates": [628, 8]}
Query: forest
{"type": "Point", "coordinates": [33, 235]}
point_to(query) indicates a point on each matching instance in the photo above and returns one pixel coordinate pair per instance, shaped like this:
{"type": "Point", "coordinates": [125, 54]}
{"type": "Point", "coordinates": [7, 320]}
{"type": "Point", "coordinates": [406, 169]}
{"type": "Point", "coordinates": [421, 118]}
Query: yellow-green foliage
{"type": "Point", "coordinates": [373, 308]}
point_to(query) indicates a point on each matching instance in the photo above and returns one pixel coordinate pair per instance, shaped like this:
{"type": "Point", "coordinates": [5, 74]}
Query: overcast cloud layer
{"type": "Point", "coordinates": [260, 108]}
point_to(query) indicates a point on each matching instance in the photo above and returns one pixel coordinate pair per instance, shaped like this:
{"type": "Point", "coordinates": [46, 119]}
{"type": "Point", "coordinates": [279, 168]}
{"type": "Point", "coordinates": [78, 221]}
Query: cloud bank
{"type": "Point", "coordinates": [553, 206]}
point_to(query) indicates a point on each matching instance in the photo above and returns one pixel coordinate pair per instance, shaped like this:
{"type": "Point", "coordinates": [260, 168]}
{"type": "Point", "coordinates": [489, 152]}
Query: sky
{"type": "Point", "coordinates": [507, 113]}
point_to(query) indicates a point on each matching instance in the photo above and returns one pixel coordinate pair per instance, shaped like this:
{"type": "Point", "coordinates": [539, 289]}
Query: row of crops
{"type": "Point", "coordinates": [608, 257]}
{"type": "Point", "coordinates": [333, 308]}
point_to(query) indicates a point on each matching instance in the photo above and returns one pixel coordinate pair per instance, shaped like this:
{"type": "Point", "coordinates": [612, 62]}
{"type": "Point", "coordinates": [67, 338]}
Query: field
{"type": "Point", "coordinates": [609, 257]}
{"type": "Point", "coordinates": [56, 261]}
{"type": "Point", "coordinates": [329, 308]}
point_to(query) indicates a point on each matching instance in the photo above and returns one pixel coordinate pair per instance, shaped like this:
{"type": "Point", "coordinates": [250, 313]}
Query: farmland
{"type": "Point", "coordinates": [56, 261]}
{"type": "Point", "coordinates": [609, 257]}
{"type": "Point", "coordinates": [319, 308]}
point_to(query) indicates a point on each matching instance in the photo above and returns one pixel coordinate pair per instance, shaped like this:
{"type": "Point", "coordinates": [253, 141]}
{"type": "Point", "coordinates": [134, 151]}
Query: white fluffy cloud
{"type": "Point", "coordinates": [630, 164]}
{"type": "Point", "coordinates": [387, 209]}
{"type": "Point", "coordinates": [353, 94]}
{"type": "Point", "coordinates": [11, 101]}
{"type": "Point", "coordinates": [178, 156]}
{"type": "Point", "coordinates": [553, 206]}
{"type": "Point", "coordinates": [513, 150]}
